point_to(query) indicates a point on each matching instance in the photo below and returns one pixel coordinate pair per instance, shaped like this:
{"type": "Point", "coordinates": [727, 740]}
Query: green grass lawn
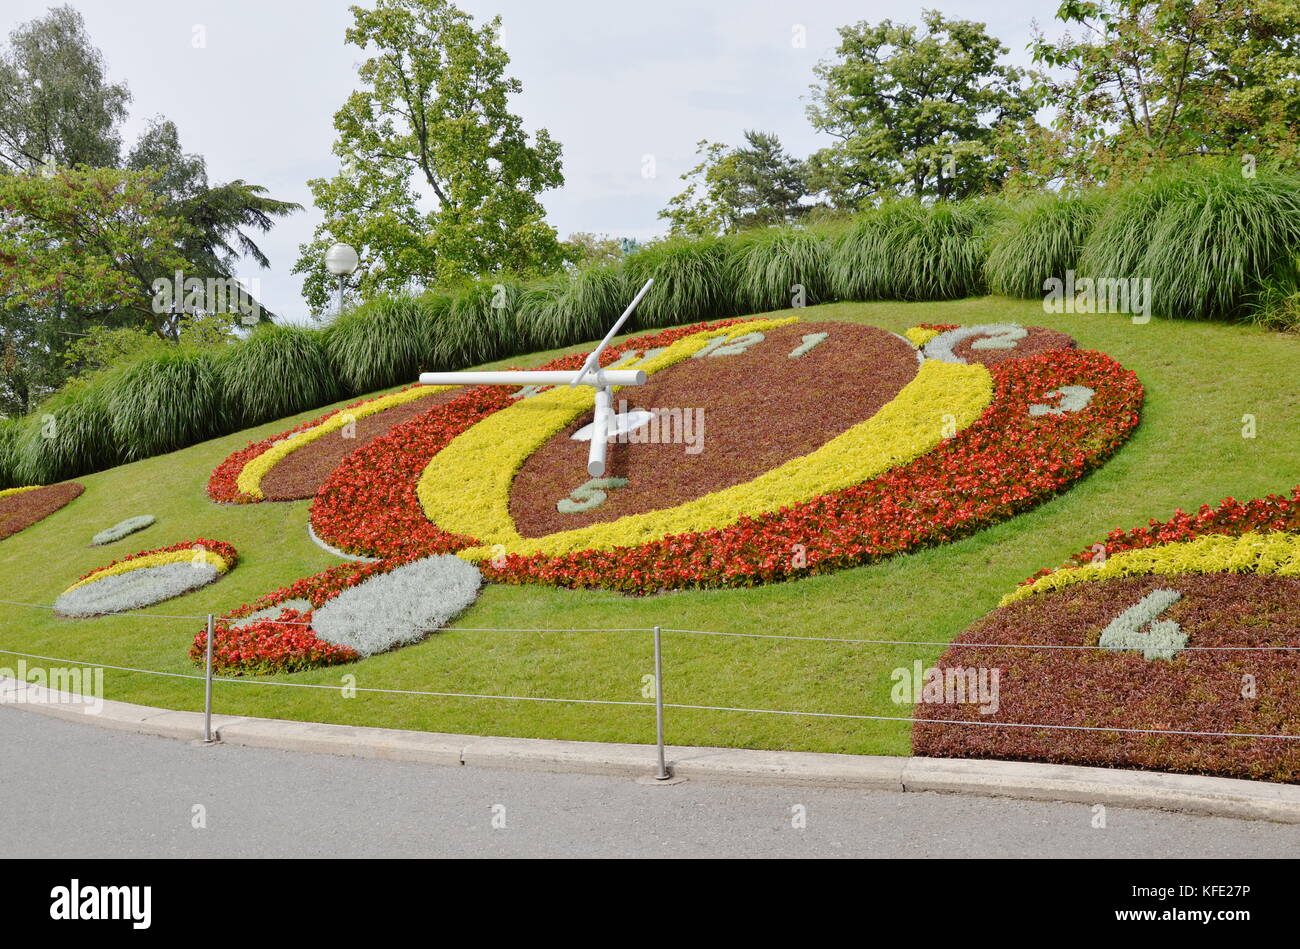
{"type": "Point", "coordinates": [1201, 379]}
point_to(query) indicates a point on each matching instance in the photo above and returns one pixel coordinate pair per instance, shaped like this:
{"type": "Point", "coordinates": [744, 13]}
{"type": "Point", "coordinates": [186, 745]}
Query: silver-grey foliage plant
{"type": "Point", "coordinates": [134, 589]}
{"type": "Point", "coordinates": [122, 529]}
{"type": "Point", "coordinates": [400, 606]}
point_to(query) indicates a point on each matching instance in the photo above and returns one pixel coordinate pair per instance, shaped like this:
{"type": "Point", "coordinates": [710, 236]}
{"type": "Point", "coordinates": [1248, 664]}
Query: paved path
{"type": "Point", "coordinates": [72, 790]}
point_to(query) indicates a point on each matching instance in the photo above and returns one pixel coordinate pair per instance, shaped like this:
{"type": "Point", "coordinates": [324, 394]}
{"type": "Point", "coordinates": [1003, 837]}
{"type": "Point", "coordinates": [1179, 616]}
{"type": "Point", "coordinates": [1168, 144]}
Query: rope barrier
{"type": "Point", "coordinates": [684, 707]}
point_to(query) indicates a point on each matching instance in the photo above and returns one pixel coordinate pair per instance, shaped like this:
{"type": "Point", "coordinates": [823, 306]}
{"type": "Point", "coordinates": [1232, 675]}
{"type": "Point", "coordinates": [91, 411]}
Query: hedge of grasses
{"type": "Point", "coordinates": [382, 343]}
{"type": "Point", "coordinates": [163, 403]}
{"type": "Point", "coordinates": [906, 251]}
{"type": "Point", "coordinates": [1214, 243]}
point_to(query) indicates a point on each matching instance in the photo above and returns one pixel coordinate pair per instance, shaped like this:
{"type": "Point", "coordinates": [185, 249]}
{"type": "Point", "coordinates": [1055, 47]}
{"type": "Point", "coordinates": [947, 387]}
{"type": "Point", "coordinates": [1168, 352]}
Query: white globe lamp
{"type": "Point", "coordinates": [342, 261]}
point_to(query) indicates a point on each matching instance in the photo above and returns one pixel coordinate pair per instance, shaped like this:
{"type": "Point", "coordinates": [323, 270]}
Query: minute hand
{"type": "Point", "coordinates": [593, 360]}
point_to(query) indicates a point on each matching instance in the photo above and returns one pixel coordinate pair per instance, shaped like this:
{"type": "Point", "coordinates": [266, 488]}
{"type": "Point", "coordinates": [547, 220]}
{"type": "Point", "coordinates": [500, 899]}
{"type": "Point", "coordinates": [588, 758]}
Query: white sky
{"type": "Point", "coordinates": [613, 82]}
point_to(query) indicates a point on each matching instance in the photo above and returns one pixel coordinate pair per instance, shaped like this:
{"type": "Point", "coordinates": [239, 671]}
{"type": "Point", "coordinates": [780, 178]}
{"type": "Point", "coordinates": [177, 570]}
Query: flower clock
{"type": "Point", "coordinates": [1174, 647]}
{"type": "Point", "coordinates": [747, 451]}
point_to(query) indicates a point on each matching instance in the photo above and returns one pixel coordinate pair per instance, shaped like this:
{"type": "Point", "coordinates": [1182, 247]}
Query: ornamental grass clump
{"type": "Point", "coordinates": [277, 371]}
{"type": "Point", "coordinates": [9, 429]}
{"type": "Point", "coordinates": [164, 402]}
{"type": "Point", "coordinates": [582, 307]}
{"type": "Point", "coordinates": [536, 320]}
{"type": "Point", "coordinates": [69, 433]}
{"type": "Point", "coordinates": [1206, 236]}
{"type": "Point", "coordinates": [1039, 237]}
{"type": "Point", "coordinates": [905, 250]}
{"type": "Point", "coordinates": [385, 342]}
{"type": "Point", "coordinates": [769, 268]}
{"type": "Point", "coordinates": [692, 282]}
{"type": "Point", "coordinates": [1277, 304]}
{"type": "Point", "coordinates": [481, 325]}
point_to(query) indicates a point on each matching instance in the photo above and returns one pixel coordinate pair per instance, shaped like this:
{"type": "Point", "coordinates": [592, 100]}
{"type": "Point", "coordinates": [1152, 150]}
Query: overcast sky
{"type": "Point", "coordinates": [613, 82]}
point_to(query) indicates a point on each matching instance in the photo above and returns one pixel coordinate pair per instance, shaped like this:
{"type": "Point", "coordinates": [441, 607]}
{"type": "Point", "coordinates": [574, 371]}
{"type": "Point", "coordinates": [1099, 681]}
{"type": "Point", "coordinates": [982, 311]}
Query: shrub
{"type": "Point", "coordinates": [385, 342]}
{"type": "Point", "coordinates": [766, 265]}
{"type": "Point", "coordinates": [164, 402]}
{"type": "Point", "coordinates": [1207, 237]}
{"type": "Point", "coordinates": [1040, 237]}
{"type": "Point", "coordinates": [905, 250]}
{"type": "Point", "coordinates": [277, 371]}
{"type": "Point", "coordinates": [68, 434]}
{"type": "Point", "coordinates": [691, 281]}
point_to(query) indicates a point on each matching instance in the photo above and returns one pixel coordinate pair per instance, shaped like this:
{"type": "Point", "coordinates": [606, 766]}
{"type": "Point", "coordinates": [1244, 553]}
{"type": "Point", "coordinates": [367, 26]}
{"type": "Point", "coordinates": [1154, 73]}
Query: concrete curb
{"type": "Point", "coordinates": [1191, 794]}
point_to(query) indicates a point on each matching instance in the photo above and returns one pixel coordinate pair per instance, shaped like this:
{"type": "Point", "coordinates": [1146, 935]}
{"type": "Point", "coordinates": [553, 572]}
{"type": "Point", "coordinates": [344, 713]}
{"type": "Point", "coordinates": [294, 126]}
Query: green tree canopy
{"type": "Point", "coordinates": [432, 125]}
{"type": "Point", "coordinates": [1152, 81]}
{"type": "Point", "coordinates": [915, 112]}
{"type": "Point", "coordinates": [89, 238]}
{"type": "Point", "coordinates": [81, 273]}
{"type": "Point", "coordinates": [218, 219]}
{"type": "Point", "coordinates": [755, 185]}
{"type": "Point", "coordinates": [56, 103]}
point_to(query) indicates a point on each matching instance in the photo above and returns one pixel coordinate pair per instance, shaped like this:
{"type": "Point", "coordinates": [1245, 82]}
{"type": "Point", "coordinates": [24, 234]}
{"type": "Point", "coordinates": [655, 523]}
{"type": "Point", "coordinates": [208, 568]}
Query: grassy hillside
{"type": "Point", "coordinates": [1201, 379]}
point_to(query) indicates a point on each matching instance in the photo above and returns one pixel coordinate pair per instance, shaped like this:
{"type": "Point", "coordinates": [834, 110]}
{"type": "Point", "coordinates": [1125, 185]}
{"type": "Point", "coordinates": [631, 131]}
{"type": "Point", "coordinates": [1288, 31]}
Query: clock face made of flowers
{"type": "Point", "coordinates": [754, 451]}
{"type": "Point", "coordinates": [744, 451]}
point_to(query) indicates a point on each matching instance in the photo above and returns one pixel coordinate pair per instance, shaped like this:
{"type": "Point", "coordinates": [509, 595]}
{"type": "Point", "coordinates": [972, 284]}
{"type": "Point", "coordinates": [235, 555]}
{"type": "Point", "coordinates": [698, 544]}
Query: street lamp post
{"type": "Point", "coordinates": [341, 260]}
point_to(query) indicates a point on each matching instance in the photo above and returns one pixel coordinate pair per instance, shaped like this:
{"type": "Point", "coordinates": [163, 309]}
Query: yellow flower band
{"type": "Point", "coordinates": [467, 484]}
{"type": "Point", "coordinates": [200, 555]}
{"type": "Point", "coordinates": [8, 491]}
{"type": "Point", "coordinates": [250, 478]}
{"type": "Point", "coordinates": [1276, 553]}
{"type": "Point", "coordinates": [918, 336]}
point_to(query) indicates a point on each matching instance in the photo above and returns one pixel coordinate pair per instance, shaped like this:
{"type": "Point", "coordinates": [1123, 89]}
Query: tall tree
{"type": "Point", "coordinates": [219, 220]}
{"type": "Point", "coordinates": [84, 240]}
{"type": "Point", "coordinates": [432, 124]}
{"type": "Point", "coordinates": [755, 185]}
{"type": "Point", "coordinates": [915, 112]}
{"type": "Point", "coordinates": [57, 108]}
{"type": "Point", "coordinates": [1152, 81]}
{"type": "Point", "coordinates": [91, 239]}
{"type": "Point", "coordinates": [57, 105]}
{"type": "Point", "coordinates": [79, 249]}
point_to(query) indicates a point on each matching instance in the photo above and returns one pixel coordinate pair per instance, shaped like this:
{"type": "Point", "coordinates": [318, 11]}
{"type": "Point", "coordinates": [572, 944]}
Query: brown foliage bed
{"type": "Point", "coordinates": [761, 409]}
{"type": "Point", "coordinates": [301, 473]}
{"type": "Point", "coordinates": [1195, 691]}
{"type": "Point", "coordinates": [20, 511]}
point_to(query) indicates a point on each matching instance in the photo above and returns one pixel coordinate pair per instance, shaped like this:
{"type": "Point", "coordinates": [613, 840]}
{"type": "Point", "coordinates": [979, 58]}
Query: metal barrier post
{"type": "Point", "coordinates": [207, 685]}
{"type": "Point", "coordinates": [663, 773]}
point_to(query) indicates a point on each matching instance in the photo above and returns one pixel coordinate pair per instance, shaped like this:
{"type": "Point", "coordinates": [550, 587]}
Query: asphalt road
{"type": "Point", "coordinates": [71, 790]}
